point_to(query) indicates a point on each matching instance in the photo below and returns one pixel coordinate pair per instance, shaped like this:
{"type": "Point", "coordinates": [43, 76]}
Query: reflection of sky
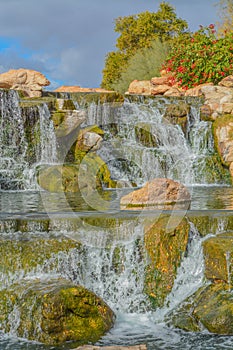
{"type": "Point", "coordinates": [68, 40]}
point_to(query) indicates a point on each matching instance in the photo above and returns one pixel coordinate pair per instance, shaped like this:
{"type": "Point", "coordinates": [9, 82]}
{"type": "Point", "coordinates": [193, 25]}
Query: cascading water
{"type": "Point", "coordinates": [188, 157]}
{"type": "Point", "coordinates": [17, 172]}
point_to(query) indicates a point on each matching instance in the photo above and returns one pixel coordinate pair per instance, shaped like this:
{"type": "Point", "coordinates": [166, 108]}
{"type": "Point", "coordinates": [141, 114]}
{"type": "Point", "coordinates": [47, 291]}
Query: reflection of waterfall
{"type": "Point", "coordinates": [185, 156]}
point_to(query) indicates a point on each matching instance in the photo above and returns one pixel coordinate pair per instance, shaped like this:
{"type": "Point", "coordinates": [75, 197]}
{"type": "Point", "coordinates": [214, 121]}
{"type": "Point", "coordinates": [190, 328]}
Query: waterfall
{"type": "Point", "coordinates": [13, 143]}
{"type": "Point", "coordinates": [141, 143]}
{"type": "Point", "coordinates": [18, 155]}
{"type": "Point", "coordinates": [47, 147]}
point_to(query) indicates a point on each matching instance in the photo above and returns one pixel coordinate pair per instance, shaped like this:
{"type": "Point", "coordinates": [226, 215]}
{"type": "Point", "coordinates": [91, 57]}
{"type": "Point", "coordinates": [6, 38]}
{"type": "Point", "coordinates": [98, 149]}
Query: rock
{"type": "Point", "coordinates": [145, 135]}
{"type": "Point", "coordinates": [223, 130]}
{"type": "Point", "coordinates": [140, 87]}
{"type": "Point", "coordinates": [177, 113]}
{"type": "Point", "coordinates": [163, 80]}
{"type": "Point", "coordinates": [166, 245]}
{"type": "Point", "coordinates": [161, 192]}
{"type": "Point", "coordinates": [174, 91]}
{"type": "Point", "coordinates": [218, 255]}
{"type": "Point", "coordinates": [227, 82]}
{"type": "Point", "coordinates": [54, 311]}
{"type": "Point", "coordinates": [197, 91]}
{"type": "Point", "coordinates": [114, 347]}
{"type": "Point", "coordinates": [66, 122]}
{"type": "Point", "coordinates": [30, 82]}
{"type": "Point", "coordinates": [79, 89]}
{"type": "Point", "coordinates": [89, 139]}
{"type": "Point", "coordinates": [88, 174]}
{"type": "Point", "coordinates": [210, 307]}
{"type": "Point", "coordinates": [160, 89]}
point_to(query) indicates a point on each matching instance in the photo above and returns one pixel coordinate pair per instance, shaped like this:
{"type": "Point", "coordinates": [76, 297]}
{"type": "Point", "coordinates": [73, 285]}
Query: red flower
{"type": "Point", "coordinates": [211, 26]}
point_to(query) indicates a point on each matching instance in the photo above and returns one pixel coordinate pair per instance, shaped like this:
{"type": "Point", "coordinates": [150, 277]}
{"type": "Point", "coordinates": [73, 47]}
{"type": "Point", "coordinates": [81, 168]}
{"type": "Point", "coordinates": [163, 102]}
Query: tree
{"type": "Point", "coordinates": [144, 65]}
{"type": "Point", "coordinates": [137, 32]}
{"type": "Point", "coordinates": [226, 16]}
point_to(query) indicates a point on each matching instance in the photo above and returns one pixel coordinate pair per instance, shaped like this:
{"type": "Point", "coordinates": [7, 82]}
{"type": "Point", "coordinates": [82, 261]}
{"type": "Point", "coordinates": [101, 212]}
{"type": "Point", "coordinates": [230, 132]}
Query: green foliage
{"type": "Point", "coordinates": [137, 32]}
{"type": "Point", "coordinates": [201, 57]}
{"type": "Point", "coordinates": [145, 64]}
{"type": "Point", "coordinates": [226, 16]}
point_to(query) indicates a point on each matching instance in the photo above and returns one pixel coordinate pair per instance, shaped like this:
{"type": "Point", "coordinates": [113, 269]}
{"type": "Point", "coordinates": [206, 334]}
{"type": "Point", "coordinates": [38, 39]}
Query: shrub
{"type": "Point", "coordinates": [201, 57]}
{"type": "Point", "coordinates": [144, 65]}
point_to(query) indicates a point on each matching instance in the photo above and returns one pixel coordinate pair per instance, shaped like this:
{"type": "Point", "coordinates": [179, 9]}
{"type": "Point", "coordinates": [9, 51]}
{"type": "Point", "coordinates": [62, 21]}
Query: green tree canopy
{"type": "Point", "coordinates": [226, 16]}
{"type": "Point", "coordinates": [137, 32]}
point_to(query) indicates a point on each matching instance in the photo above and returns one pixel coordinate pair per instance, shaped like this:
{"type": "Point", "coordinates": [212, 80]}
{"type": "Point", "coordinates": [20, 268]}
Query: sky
{"type": "Point", "coordinates": [68, 40]}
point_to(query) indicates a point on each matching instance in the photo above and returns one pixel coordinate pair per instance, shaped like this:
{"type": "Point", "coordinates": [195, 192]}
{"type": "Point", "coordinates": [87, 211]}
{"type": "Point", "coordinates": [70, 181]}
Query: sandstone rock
{"type": "Point", "coordinates": [223, 130]}
{"type": "Point", "coordinates": [30, 82]}
{"type": "Point", "coordinates": [159, 192]}
{"type": "Point", "coordinates": [228, 81]}
{"type": "Point", "coordinates": [197, 91]}
{"type": "Point", "coordinates": [163, 80]}
{"type": "Point", "coordinates": [142, 87]}
{"type": "Point", "coordinates": [55, 311]}
{"type": "Point", "coordinates": [79, 89]}
{"type": "Point", "coordinates": [173, 91]}
{"type": "Point", "coordinates": [159, 89]}
{"type": "Point", "coordinates": [89, 139]}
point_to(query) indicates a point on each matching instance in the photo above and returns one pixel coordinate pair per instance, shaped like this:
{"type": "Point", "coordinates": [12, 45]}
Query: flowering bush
{"type": "Point", "coordinates": [201, 57]}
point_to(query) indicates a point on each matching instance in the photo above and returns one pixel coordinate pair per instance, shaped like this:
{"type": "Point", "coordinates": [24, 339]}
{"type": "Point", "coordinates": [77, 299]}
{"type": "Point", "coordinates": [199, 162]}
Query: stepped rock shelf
{"type": "Point", "coordinates": [77, 271]}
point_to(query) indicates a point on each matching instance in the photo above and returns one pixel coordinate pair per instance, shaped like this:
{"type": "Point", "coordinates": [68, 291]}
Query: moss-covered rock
{"type": "Point", "coordinates": [223, 137]}
{"type": "Point", "coordinates": [166, 248]}
{"type": "Point", "coordinates": [209, 308]}
{"type": "Point", "coordinates": [218, 254]}
{"type": "Point", "coordinates": [88, 174]}
{"type": "Point", "coordinates": [54, 312]}
{"type": "Point", "coordinates": [177, 113]}
{"type": "Point", "coordinates": [144, 135]}
{"type": "Point", "coordinates": [22, 255]}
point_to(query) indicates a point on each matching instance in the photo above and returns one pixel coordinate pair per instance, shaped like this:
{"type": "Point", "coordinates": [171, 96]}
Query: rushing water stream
{"type": "Point", "coordinates": [26, 213]}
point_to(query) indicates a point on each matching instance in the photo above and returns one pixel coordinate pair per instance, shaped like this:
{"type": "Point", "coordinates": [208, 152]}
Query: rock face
{"type": "Point", "coordinates": [159, 192]}
{"type": "Point", "coordinates": [30, 82]}
{"type": "Point", "coordinates": [223, 129]}
{"type": "Point", "coordinates": [142, 87]}
{"type": "Point", "coordinates": [54, 312]}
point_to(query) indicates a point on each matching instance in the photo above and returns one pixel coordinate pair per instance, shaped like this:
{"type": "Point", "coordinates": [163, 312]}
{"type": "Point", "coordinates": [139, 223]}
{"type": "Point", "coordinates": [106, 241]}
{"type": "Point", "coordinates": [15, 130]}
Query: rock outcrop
{"type": "Point", "coordinates": [161, 193]}
{"type": "Point", "coordinates": [30, 82]}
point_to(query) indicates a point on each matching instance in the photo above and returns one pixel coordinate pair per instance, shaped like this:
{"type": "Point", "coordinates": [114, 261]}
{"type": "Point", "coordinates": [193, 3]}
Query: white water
{"type": "Point", "coordinates": [183, 157]}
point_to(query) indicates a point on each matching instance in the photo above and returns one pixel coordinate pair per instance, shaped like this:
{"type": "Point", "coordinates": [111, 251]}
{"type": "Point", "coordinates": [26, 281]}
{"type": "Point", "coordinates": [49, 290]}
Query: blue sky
{"type": "Point", "coordinates": [68, 40]}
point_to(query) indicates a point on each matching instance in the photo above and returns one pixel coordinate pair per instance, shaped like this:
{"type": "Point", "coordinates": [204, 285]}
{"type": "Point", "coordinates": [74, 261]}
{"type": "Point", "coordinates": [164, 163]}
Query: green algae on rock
{"type": "Point", "coordinates": [166, 248]}
{"type": "Point", "coordinates": [54, 311]}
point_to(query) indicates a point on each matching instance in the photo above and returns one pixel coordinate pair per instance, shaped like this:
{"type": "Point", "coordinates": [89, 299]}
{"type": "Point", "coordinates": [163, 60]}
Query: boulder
{"type": "Point", "coordinates": [163, 80]}
{"type": "Point", "coordinates": [223, 130]}
{"type": "Point", "coordinates": [30, 82]}
{"type": "Point", "coordinates": [210, 308]}
{"type": "Point", "coordinates": [54, 311]}
{"type": "Point", "coordinates": [89, 139]}
{"type": "Point", "coordinates": [160, 192]}
{"type": "Point", "coordinates": [174, 91]}
{"type": "Point", "coordinates": [218, 254]}
{"type": "Point", "coordinates": [166, 245]}
{"type": "Point", "coordinates": [159, 89]}
{"type": "Point", "coordinates": [140, 87]}
{"type": "Point", "coordinates": [227, 82]}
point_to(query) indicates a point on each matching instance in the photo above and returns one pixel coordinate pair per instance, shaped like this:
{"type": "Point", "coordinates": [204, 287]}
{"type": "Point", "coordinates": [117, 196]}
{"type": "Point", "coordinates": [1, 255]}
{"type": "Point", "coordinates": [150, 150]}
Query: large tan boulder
{"type": "Point", "coordinates": [160, 89]}
{"type": "Point", "coordinates": [228, 81]}
{"type": "Point", "coordinates": [160, 192]}
{"type": "Point", "coordinates": [140, 87]}
{"type": "Point", "coordinates": [30, 82]}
